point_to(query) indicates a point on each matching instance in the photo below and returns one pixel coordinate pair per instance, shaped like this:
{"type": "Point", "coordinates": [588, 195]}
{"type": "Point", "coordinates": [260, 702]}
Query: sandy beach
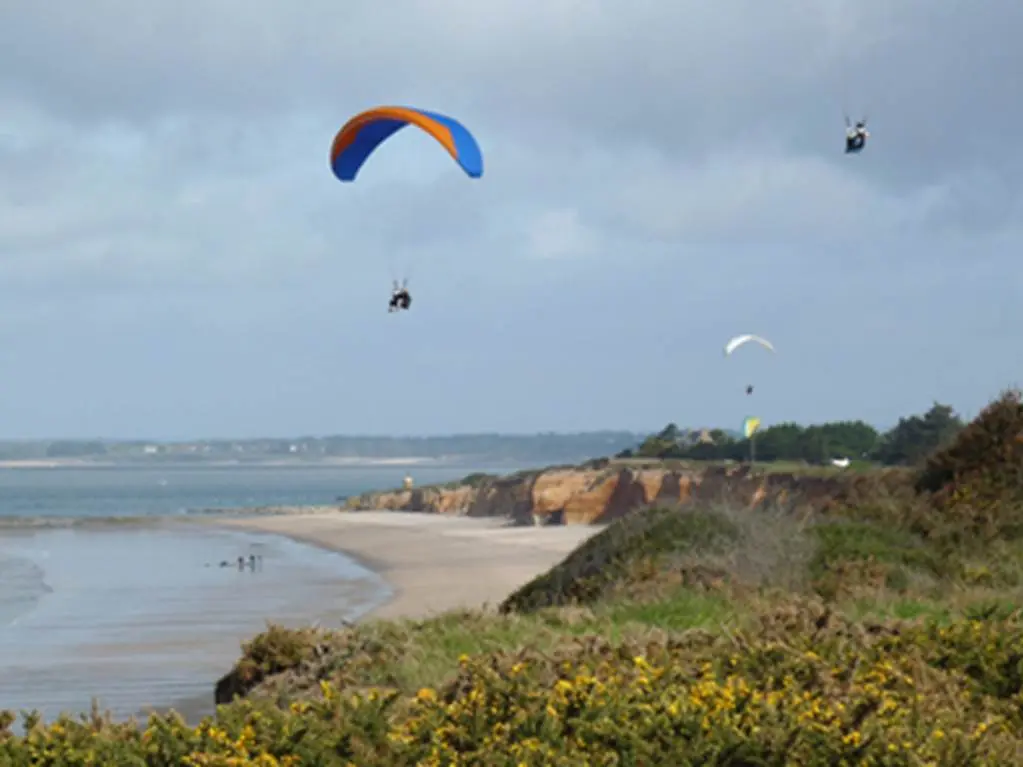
{"type": "Point", "coordinates": [434, 563]}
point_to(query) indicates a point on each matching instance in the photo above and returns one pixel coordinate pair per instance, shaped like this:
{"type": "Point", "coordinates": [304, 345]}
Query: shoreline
{"type": "Point", "coordinates": [428, 563]}
{"type": "Point", "coordinates": [192, 516]}
{"type": "Point", "coordinates": [157, 628]}
{"type": "Point", "coordinates": [432, 563]}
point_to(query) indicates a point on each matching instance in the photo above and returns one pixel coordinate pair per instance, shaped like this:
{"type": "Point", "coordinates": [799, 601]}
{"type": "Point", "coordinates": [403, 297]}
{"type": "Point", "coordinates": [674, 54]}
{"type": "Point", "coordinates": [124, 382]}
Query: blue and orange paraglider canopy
{"type": "Point", "coordinates": [361, 135]}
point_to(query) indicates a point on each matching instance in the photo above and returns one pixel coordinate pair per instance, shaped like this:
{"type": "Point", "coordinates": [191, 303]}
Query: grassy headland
{"type": "Point", "coordinates": [880, 628]}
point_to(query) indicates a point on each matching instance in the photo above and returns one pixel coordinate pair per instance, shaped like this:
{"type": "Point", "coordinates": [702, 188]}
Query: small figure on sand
{"type": "Point", "coordinates": [253, 559]}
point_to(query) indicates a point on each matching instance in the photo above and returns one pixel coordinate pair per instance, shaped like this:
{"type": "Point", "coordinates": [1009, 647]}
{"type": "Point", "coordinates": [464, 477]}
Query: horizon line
{"type": "Point", "coordinates": [293, 438]}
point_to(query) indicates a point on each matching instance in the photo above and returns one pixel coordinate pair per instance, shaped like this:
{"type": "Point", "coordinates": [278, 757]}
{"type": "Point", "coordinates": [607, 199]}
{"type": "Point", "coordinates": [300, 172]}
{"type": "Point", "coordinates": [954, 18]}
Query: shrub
{"type": "Point", "coordinates": [603, 561]}
{"type": "Point", "coordinates": [975, 484]}
{"type": "Point", "coordinates": [801, 686]}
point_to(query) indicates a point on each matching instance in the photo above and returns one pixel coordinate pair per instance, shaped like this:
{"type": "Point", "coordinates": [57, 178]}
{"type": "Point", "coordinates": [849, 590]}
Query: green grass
{"type": "Point", "coordinates": [679, 611]}
{"type": "Point", "coordinates": [409, 655]}
{"type": "Point", "coordinates": [844, 541]}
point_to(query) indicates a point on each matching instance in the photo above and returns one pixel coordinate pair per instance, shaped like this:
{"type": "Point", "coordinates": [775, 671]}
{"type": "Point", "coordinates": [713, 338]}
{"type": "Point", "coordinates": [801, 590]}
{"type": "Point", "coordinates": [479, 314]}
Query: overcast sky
{"type": "Point", "coordinates": [177, 260]}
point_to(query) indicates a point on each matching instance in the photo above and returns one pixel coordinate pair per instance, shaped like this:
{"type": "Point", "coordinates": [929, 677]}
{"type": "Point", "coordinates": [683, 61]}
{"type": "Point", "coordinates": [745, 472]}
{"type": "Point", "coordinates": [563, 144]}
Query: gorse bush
{"type": "Point", "coordinates": [975, 484]}
{"type": "Point", "coordinates": [802, 687]}
{"type": "Point", "coordinates": [987, 454]}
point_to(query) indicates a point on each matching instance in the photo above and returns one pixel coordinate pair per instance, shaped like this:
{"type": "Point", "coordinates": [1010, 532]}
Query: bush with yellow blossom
{"type": "Point", "coordinates": [803, 686]}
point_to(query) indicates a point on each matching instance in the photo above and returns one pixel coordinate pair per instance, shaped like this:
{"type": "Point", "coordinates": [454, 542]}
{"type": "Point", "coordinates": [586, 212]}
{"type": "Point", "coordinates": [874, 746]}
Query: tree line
{"type": "Point", "coordinates": [908, 442]}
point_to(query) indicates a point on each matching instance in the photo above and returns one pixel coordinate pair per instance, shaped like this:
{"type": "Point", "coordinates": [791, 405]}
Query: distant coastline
{"type": "Point", "coordinates": [127, 463]}
{"type": "Point", "coordinates": [337, 451]}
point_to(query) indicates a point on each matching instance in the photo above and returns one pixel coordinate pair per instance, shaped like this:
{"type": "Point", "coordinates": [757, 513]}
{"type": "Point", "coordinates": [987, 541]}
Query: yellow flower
{"type": "Point", "coordinates": [426, 694]}
{"type": "Point", "coordinates": [327, 690]}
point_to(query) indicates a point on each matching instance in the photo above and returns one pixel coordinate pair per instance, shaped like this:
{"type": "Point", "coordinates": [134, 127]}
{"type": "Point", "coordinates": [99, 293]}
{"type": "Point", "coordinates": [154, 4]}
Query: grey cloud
{"type": "Point", "coordinates": [681, 78]}
{"type": "Point", "coordinates": [164, 189]}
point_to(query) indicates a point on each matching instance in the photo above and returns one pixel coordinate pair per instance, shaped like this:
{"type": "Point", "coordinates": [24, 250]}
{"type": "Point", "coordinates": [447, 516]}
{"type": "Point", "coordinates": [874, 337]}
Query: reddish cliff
{"type": "Point", "coordinates": [599, 494]}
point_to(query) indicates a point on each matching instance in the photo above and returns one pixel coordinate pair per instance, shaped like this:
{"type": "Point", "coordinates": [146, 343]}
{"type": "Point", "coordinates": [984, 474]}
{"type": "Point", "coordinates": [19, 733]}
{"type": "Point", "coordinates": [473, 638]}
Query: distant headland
{"type": "Point", "coordinates": [332, 451]}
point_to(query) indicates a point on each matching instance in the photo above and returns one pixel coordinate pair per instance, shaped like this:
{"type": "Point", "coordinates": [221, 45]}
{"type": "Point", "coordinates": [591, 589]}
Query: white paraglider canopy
{"type": "Point", "coordinates": [738, 341]}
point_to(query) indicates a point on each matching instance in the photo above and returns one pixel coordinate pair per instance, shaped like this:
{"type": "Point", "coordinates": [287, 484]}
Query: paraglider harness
{"type": "Point", "coordinates": [856, 136]}
{"type": "Point", "coordinates": [401, 299]}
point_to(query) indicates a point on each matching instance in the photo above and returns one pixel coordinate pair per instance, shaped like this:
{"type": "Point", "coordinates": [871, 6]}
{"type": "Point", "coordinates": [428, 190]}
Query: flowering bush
{"type": "Point", "coordinates": [801, 687]}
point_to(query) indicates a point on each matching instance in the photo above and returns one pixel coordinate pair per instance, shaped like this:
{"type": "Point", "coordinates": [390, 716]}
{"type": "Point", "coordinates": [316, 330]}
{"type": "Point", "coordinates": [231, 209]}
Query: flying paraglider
{"type": "Point", "coordinates": [401, 299]}
{"type": "Point", "coordinates": [856, 136]}
{"type": "Point", "coordinates": [362, 134]}
{"type": "Point", "coordinates": [738, 341]}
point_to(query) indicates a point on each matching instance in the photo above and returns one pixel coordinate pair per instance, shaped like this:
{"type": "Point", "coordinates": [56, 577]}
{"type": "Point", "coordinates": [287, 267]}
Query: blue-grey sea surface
{"type": "Point", "coordinates": [142, 614]}
{"type": "Point", "coordinates": [176, 490]}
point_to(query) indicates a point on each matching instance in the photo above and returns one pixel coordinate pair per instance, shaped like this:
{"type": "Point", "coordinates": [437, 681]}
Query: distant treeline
{"type": "Point", "coordinates": [552, 448]}
{"type": "Point", "coordinates": [910, 440]}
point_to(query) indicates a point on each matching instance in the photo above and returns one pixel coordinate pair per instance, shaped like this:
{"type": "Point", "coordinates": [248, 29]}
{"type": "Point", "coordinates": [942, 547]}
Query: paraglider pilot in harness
{"type": "Point", "coordinates": [401, 299]}
{"type": "Point", "coordinates": [855, 136]}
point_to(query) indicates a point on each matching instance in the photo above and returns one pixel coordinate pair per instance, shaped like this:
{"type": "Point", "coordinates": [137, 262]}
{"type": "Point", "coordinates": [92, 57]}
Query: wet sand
{"type": "Point", "coordinates": [434, 563]}
{"type": "Point", "coordinates": [144, 616]}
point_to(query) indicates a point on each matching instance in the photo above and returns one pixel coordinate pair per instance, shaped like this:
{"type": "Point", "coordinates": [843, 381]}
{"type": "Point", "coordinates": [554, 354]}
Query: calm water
{"type": "Point", "coordinates": [107, 492]}
{"type": "Point", "coordinates": [144, 614]}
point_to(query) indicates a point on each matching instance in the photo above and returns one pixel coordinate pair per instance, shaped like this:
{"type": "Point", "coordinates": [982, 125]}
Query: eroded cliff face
{"type": "Point", "coordinates": [601, 494]}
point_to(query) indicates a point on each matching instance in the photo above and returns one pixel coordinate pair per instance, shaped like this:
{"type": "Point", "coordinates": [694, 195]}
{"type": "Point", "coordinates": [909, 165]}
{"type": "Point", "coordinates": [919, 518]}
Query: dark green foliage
{"type": "Point", "coordinates": [907, 443]}
{"type": "Point", "coordinates": [607, 558]}
{"type": "Point", "coordinates": [986, 456]}
{"type": "Point", "coordinates": [845, 541]}
{"type": "Point", "coordinates": [916, 437]}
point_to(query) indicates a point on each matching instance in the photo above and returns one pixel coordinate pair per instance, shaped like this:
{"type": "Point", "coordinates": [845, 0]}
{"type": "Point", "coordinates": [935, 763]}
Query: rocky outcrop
{"type": "Point", "coordinates": [604, 491]}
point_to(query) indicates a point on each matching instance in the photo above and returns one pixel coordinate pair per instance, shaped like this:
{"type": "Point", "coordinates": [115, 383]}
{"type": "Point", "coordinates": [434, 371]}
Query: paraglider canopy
{"type": "Point", "coordinates": [362, 134]}
{"type": "Point", "coordinates": [742, 340]}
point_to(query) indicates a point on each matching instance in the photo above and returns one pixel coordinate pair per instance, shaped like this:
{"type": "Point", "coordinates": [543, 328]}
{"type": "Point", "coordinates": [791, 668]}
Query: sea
{"type": "Point", "coordinates": [115, 593]}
